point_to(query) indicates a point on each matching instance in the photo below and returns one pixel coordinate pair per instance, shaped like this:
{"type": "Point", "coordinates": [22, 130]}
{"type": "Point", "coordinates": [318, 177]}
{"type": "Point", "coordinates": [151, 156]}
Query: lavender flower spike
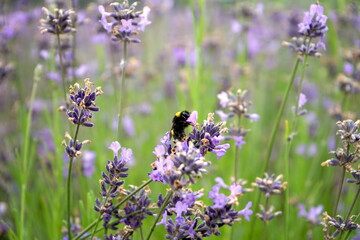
{"type": "Point", "coordinates": [314, 22]}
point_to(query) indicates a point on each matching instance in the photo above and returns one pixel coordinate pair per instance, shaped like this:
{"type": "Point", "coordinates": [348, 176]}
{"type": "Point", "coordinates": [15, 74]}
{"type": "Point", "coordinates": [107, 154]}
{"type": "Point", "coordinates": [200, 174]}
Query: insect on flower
{"type": "Point", "coordinates": [179, 124]}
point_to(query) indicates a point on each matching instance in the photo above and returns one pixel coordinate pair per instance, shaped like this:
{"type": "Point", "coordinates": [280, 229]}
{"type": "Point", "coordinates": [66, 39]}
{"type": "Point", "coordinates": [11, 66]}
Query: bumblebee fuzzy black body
{"type": "Point", "coordinates": [179, 124]}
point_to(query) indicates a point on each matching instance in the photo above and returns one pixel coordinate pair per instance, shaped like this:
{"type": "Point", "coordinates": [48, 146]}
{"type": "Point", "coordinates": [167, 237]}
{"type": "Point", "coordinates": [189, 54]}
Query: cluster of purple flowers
{"type": "Point", "coordinates": [269, 185]}
{"type": "Point", "coordinates": [180, 164]}
{"type": "Point", "coordinates": [349, 135]}
{"type": "Point", "coordinates": [313, 26]}
{"type": "Point", "coordinates": [194, 220]}
{"type": "Point", "coordinates": [345, 157]}
{"type": "Point", "coordinates": [237, 106]}
{"type": "Point", "coordinates": [58, 23]}
{"type": "Point", "coordinates": [340, 224]}
{"type": "Point", "coordinates": [83, 100]}
{"type": "Point", "coordinates": [124, 25]}
{"type": "Point", "coordinates": [137, 206]}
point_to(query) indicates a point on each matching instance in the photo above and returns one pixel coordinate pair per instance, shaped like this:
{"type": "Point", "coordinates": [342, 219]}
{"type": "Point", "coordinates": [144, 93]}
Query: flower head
{"type": "Point", "coordinates": [83, 100]}
{"type": "Point", "coordinates": [121, 23]}
{"type": "Point", "coordinates": [270, 184]}
{"type": "Point", "coordinates": [57, 23]}
{"type": "Point", "coordinates": [314, 22]}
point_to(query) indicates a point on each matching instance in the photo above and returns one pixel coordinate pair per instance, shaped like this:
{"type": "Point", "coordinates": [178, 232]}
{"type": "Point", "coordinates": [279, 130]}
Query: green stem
{"type": "Point", "coordinates": [339, 193]}
{"type": "Point", "coordinates": [274, 132]}
{"type": "Point", "coordinates": [69, 184]}
{"type": "Point", "coordinates": [236, 168]}
{"type": "Point", "coordinates": [85, 230]}
{"type": "Point", "coordinates": [349, 232]}
{"type": "Point", "coordinates": [166, 200]}
{"type": "Point", "coordinates": [122, 90]}
{"type": "Point", "coordinates": [293, 129]}
{"type": "Point", "coordinates": [62, 68]}
{"type": "Point", "coordinates": [279, 115]}
{"type": "Point", "coordinates": [115, 207]}
{"type": "Point", "coordinates": [99, 218]}
{"type": "Point", "coordinates": [343, 102]}
{"type": "Point", "coordinates": [353, 204]}
{"type": "Point", "coordinates": [93, 223]}
{"type": "Point", "coordinates": [141, 233]}
{"type": "Point", "coordinates": [287, 197]}
{"type": "Point", "coordinates": [265, 218]}
{"type": "Point", "coordinates": [25, 156]}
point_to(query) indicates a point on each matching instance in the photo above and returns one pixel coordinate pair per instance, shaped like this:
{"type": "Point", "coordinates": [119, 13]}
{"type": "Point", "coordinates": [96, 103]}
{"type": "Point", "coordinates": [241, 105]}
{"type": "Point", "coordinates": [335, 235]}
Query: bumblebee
{"type": "Point", "coordinates": [179, 124]}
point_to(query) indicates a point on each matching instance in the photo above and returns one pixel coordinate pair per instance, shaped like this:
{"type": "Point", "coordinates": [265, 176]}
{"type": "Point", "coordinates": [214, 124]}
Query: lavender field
{"type": "Point", "coordinates": [179, 119]}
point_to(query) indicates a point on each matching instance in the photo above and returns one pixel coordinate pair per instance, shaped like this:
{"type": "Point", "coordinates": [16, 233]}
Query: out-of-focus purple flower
{"type": "Point", "coordinates": [311, 91]}
{"type": "Point", "coordinates": [223, 116]}
{"type": "Point", "coordinates": [239, 141]}
{"type": "Point", "coordinates": [115, 147]}
{"type": "Point", "coordinates": [122, 24]}
{"type": "Point", "coordinates": [331, 143]}
{"type": "Point", "coordinates": [126, 26]}
{"type": "Point", "coordinates": [237, 104]}
{"type": "Point", "coordinates": [313, 215]}
{"type": "Point", "coordinates": [144, 21]}
{"type": "Point", "coordinates": [301, 103]}
{"type": "Point", "coordinates": [46, 141]}
{"type": "Point", "coordinates": [246, 212]}
{"type": "Point", "coordinates": [302, 100]}
{"type": "Point", "coordinates": [88, 160]}
{"type": "Point", "coordinates": [308, 150]}
{"type": "Point", "coordinates": [193, 117]}
{"type": "Point", "coordinates": [54, 76]}
{"type": "Point", "coordinates": [179, 55]}
{"type": "Point", "coordinates": [348, 68]}
{"type": "Point", "coordinates": [57, 23]}
{"type": "Point", "coordinates": [127, 155]}
{"type": "Point", "coordinates": [223, 99]}
{"type": "Point", "coordinates": [128, 125]}
{"type": "Point", "coordinates": [253, 117]}
{"type": "Point", "coordinates": [236, 27]}
{"type": "Point", "coordinates": [270, 184]}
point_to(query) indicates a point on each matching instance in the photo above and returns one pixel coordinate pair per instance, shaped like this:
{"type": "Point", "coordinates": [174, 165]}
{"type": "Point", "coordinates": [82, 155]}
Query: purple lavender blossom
{"type": "Point", "coordinates": [340, 224]}
{"type": "Point", "coordinates": [270, 184]}
{"type": "Point", "coordinates": [123, 25]}
{"type": "Point", "coordinates": [88, 160]}
{"type": "Point", "coordinates": [246, 212]}
{"type": "Point", "coordinates": [207, 137]}
{"type": "Point", "coordinates": [115, 147]}
{"type": "Point", "coordinates": [111, 183]}
{"type": "Point", "coordinates": [57, 23]}
{"type": "Point", "coordinates": [236, 106]}
{"type": "Point", "coordinates": [219, 199]}
{"type": "Point", "coordinates": [83, 100]}
{"type": "Point", "coordinates": [301, 103]}
{"type": "Point", "coordinates": [314, 23]}
{"type": "Point", "coordinates": [313, 215]}
{"type": "Point", "coordinates": [136, 209]}
{"type": "Point", "coordinates": [313, 26]}
{"type": "Point", "coordinates": [128, 125]}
